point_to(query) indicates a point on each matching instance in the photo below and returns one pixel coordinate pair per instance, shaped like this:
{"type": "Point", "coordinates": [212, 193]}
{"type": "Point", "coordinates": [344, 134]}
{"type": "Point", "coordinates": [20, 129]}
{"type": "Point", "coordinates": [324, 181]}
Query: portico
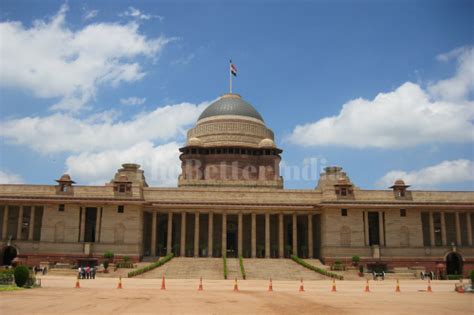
{"type": "Point", "coordinates": [234, 233]}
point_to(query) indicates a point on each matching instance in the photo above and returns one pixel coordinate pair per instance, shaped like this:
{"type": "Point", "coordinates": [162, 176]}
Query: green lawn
{"type": "Point", "coordinates": [9, 288]}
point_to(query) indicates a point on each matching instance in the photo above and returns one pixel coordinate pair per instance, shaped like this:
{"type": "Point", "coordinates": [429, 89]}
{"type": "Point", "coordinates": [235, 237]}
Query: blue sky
{"type": "Point", "coordinates": [382, 88]}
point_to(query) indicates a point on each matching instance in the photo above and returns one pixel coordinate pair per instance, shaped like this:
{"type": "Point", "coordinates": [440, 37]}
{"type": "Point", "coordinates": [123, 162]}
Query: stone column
{"type": "Point", "coordinates": [254, 235]}
{"type": "Point", "coordinates": [153, 233]}
{"type": "Point", "coordinates": [83, 224]}
{"type": "Point", "coordinates": [381, 231]}
{"type": "Point", "coordinates": [281, 245]}
{"type": "Point", "coordinates": [310, 236]}
{"type": "Point", "coordinates": [469, 229]}
{"type": "Point", "coordinates": [366, 228]}
{"type": "Point", "coordinates": [458, 229]}
{"type": "Point", "coordinates": [210, 236]}
{"type": "Point", "coordinates": [182, 246]}
{"type": "Point", "coordinates": [196, 234]}
{"type": "Point", "coordinates": [31, 227]}
{"type": "Point", "coordinates": [169, 236]}
{"type": "Point", "coordinates": [295, 234]}
{"type": "Point", "coordinates": [20, 223]}
{"type": "Point", "coordinates": [432, 232]}
{"type": "Point", "coordinates": [239, 234]}
{"type": "Point", "coordinates": [443, 229]}
{"type": "Point", "coordinates": [97, 225]}
{"type": "Point", "coordinates": [5, 223]}
{"type": "Point", "coordinates": [224, 234]}
{"type": "Point", "coordinates": [267, 235]}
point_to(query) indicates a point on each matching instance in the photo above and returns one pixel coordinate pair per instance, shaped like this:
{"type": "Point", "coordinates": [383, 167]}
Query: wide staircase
{"type": "Point", "coordinates": [188, 268]}
{"type": "Point", "coordinates": [280, 269]}
{"type": "Point", "coordinates": [233, 268]}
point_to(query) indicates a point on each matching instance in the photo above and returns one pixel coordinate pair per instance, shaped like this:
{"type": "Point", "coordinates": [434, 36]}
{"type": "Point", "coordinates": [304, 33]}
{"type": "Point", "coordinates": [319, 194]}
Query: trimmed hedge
{"type": "Point", "coordinates": [316, 269]}
{"type": "Point", "coordinates": [225, 266]}
{"type": "Point", "coordinates": [21, 275]}
{"type": "Point", "coordinates": [152, 266]}
{"type": "Point", "coordinates": [242, 269]}
{"type": "Point", "coordinates": [454, 277]}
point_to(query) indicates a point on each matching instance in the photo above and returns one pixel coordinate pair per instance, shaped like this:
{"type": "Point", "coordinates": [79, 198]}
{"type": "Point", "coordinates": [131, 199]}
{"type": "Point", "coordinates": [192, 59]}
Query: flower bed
{"type": "Point", "coordinates": [152, 266]}
{"type": "Point", "coordinates": [316, 269]}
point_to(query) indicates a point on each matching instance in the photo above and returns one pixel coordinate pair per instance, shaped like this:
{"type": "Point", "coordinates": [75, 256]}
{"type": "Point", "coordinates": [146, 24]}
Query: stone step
{"type": "Point", "coordinates": [188, 268]}
{"type": "Point", "coordinates": [233, 269]}
{"type": "Point", "coordinates": [278, 269]}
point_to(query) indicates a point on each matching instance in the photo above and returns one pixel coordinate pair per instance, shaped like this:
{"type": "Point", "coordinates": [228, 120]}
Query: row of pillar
{"type": "Point", "coordinates": [443, 229]}
{"type": "Point", "coordinates": [20, 223]}
{"type": "Point", "coordinates": [239, 236]}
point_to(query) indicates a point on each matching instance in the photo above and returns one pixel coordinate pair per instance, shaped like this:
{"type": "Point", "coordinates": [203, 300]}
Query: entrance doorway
{"type": "Point", "coordinates": [232, 236]}
{"type": "Point", "coordinates": [454, 264]}
{"type": "Point", "coordinates": [9, 253]}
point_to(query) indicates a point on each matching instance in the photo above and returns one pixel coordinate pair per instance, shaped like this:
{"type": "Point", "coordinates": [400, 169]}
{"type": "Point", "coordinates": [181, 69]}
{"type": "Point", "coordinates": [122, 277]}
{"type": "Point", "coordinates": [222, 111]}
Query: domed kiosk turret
{"type": "Point", "coordinates": [230, 146]}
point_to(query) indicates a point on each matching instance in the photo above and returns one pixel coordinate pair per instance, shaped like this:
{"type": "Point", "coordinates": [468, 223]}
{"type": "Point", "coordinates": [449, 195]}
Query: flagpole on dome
{"type": "Point", "coordinates": [232, 72]}
{"type": "Point", "coordinates": [230, 76]}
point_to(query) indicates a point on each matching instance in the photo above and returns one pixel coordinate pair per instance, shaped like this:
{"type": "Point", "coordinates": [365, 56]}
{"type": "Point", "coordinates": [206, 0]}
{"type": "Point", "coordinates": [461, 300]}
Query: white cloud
{"type": "Point", "coordinates": [133, 101]}
{"type": "Point", "coordinates": [61, 132]}
{"type": "Point", "coordinates": [53, 61]}
{"type": "Point", "coordinates": [446, 172]}
{"type": "Point", "coordinates": [10, 178]}
{"type": "Point", "coordinates": [406, 117]}
{"type": "Point", "coordinates": [137, 14]}
{"type": "Point", "coordinates": [161, 163]}
{"type": "Point", "coordinates": [459, 86]}
{"type": "Point", "coordinates": [91, 14]}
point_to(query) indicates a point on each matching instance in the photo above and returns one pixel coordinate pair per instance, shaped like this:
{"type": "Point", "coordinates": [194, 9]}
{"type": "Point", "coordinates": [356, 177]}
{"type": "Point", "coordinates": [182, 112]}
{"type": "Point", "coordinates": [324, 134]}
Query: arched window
{"type": "Point", "coordinates": [59, 232]}
{"type": "Point", "coordinates": [404, 236]}
{"type": "Point", "coordinates": [345, 236]}
{"type": "Point", "coordinates": [119, 233]}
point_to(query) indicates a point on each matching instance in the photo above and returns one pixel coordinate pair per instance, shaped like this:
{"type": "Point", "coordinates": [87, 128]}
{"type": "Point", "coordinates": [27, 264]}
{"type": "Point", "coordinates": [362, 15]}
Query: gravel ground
{"type": "Point", "coordinates": [143, 296]}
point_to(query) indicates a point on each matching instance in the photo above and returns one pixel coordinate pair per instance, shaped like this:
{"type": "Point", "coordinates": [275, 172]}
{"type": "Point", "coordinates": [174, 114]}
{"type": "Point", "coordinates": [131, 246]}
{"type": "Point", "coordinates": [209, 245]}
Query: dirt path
{"type": "Point", "coordinates": [144, 296]}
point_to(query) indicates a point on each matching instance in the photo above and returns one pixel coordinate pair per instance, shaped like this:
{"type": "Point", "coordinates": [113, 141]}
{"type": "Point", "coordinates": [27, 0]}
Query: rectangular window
{"type": "Point", "coordinates": [38, 223]}
{"type": "Point", "coordinates": [450, 221]}
{"type": "Point", "coordinates": [343, 191]}
{"type": "Point", "coordinates": [61, 207]}
{"type": "Point", "coordinates": [120, 209]}
{"type": "Point", "coordinates": [90, 227]}
{"type": "Point", "coordinates": [463, 226]}
{"type": "Point", "coordinates": [403, 212]}
{"type": "Point", "coordinates": [344, 212]}
{"type": "Point", "coordinates": [121, 188]}
{"type": "Point", "coordinates": [437, 228]}
{"type": "Point", "coordinates": [425, 226]}
{"type": "Point", "coordinates": [374, 235]}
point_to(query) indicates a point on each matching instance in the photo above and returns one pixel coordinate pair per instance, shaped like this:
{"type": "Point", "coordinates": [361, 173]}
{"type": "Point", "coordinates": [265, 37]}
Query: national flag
{"type": "Point", "coordinates": [233, 69]}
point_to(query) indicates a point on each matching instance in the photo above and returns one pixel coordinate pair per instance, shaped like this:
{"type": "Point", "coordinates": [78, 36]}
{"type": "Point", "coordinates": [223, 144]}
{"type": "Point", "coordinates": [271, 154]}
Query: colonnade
{"type": "Point", "coordinates": [309, 235]}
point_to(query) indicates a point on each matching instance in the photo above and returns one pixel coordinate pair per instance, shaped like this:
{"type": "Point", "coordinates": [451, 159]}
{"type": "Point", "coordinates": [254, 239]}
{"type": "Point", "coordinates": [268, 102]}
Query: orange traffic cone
{"type": "Point", "coordinates": [236, 287]}
{"type": "Point", "coordinates": [78, 285]}
{"type": "Point", "coordinates": [429, 287]}
{"type": "Point", "coordinates": [397, 289]}
{"type": "Point", "coordinates": [119, 285]}
{"type": "Point", "coordinates": [367, 289]}
{"type": "Point", "coordinates": [333, 285]}
{"type": "Point", "coordinates": [301, 286]}
{"type": "Point", "coordinates": [163, 284]}
{"type": "Point", "coordinates": [200, 288]}
{"type": "Point", "coordinates": [270, 286]}
{"type": "Point", "coordinates": [461, 287]}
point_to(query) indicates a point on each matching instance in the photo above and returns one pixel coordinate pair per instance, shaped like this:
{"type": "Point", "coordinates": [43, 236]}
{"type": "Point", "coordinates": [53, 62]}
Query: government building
{"type": "Point", "coordinates": [230, 200]}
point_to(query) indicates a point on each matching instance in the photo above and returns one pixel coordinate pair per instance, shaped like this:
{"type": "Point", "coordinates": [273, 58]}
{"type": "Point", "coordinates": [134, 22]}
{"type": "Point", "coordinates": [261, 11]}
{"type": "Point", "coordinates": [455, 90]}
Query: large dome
{"type": "Point", "coordinates": [230, 104]}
